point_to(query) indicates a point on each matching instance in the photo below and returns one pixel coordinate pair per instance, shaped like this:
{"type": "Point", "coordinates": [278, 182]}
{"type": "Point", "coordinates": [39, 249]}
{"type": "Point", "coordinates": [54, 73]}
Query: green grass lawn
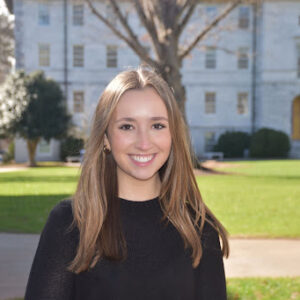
{"type": "Point", "coordinates": [263, 288]}
{"type": "Point", "coordinates": [27, 196]}
{"type": "Point", "coordinates": [263, 200]}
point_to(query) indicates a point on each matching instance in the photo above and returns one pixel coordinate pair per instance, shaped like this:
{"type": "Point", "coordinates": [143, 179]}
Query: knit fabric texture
{"type": "Point", "coordinates": [157, 266]}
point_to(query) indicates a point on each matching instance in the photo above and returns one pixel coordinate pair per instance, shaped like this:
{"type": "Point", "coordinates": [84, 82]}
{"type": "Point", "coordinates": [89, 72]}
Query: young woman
{"type": "Point", "coordinates": [137, 227]}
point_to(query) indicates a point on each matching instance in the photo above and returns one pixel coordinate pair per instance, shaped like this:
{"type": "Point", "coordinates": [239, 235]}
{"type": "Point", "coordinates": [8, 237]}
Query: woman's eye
{"type": "Point", "coordinates": [159, 126]}
{"type": "Point", "coordinates": [125, 127]}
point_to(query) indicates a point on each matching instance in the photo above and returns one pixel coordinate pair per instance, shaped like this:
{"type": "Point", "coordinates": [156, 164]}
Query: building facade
{"type": "Point", "coordinates": [245, 75]}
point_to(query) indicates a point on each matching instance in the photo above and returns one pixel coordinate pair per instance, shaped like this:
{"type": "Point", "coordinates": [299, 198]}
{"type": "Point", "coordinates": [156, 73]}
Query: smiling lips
{"type": "Point", "coordinates": [142, 160]}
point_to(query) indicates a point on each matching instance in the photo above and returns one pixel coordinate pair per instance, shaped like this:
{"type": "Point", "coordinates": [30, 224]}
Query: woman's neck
{"type": "Point", "coordinates": [139, 190]}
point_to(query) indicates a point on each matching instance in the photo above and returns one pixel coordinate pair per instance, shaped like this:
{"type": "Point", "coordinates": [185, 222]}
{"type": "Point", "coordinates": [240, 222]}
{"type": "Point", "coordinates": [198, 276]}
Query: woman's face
{"type": "Point", "coordinates": [139, 136]}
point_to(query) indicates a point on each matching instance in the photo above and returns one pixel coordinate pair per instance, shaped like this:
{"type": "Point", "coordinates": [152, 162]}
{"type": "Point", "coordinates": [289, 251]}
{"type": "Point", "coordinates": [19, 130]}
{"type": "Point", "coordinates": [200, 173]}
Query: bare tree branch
{"type": "Point", "coordinates": [125, 24]}
{"type": "Point", "coordinates": [192, 4]}
{"type": "Point", "coordinates": [201, 35]}
{"type": "Point", "coordinates": [131, 41]}
{"type": "Point", "coordinates": [149, 25]}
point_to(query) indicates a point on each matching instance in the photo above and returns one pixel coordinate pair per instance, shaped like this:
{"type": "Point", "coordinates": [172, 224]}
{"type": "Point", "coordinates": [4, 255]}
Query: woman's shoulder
{"type": "Point", "coordinates": [61, 215]}
{"type": "Point", "coordinates": [63, 207]}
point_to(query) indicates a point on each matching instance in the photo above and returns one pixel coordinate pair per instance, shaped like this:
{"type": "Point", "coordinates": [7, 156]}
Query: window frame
{"type": "Point", "coordinates": [244, 17]}
{"type": "Point", "coordinates": [44, 14]}
{"type": "Point", "coordinates": [242, 102]}
{"type": "Point", "coordinates": [44, 54]}
{"type": "Point", "coordinates": [209, 142]}
{"type": "Point", "coordinates": [210, 102]}
{"type": "Point", "coordinates": [78, 14]}
{"type": "Point", "coordinates": [211, 57]}
{"type": "Point", "coordinates": [111, 56]}
{"type": "Point", "coordinates": [78, 56]}
{"type": "Point", "coordinates": [78, 103]}
{"type": "Point", "coordinates": [110, 14]}
{"type": "Point", "coordinates": [243, 58]}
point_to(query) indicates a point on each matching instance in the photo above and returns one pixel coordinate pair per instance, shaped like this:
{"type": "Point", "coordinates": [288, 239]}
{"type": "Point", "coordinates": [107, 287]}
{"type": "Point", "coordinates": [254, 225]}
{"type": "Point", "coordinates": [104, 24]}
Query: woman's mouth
{"type": "Point", "coordinates": [142, 160]}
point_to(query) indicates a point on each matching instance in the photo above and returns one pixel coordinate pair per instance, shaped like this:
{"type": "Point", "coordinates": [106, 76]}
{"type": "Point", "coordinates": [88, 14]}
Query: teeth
{"type": "Point", "coordinates": [142, 158]}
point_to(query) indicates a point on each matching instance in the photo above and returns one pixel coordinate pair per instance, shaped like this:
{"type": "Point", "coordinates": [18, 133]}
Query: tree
{"type": "Point", "coordinates": [164, 22]}
{"type": "Point", "coordinates": [6, 45]}
{"type": "Point", "coordinates": [33, 107]}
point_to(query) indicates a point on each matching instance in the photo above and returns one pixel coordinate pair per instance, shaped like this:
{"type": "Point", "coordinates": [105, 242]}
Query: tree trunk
{"type": "Point", "coordinates": [31, 147]}
{"type": "Point", "coordinates": [173, 77]}
{"type": "Point", "coordinates": [170, 71]}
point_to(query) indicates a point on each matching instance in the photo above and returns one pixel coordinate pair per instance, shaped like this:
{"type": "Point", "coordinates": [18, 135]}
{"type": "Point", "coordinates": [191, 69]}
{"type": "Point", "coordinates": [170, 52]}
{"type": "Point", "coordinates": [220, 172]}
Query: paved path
{"type": "Point", "coordinates": [11, 169]}
{"type": "Point", "coordinates": [249, 257]}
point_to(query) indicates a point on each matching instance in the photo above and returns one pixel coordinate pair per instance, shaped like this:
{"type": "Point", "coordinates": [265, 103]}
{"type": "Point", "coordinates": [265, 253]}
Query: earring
{"type": "Point", "coordinates": [106, 150]}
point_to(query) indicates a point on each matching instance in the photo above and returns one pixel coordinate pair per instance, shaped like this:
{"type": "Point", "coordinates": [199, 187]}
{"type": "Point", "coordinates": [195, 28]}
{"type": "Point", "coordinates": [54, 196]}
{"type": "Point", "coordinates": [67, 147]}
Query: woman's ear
{"type": "Point", "coordinates": [106, 141]}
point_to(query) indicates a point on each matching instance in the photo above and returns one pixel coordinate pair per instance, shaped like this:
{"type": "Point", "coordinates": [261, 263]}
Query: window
{"type": "Point", "coordinates": [211, 12]}
{"type": "Point", "coordinates": [44, 147]}
{"type": "Point", "coordinates": [242, 103]}
{"type": "Point", "coordinates": [244, 17]}
{"type": "Point", "coordinates": [210, 103]}
{"type": "Point", "coordinates": [110, 14]}
{"type": "Point", "coordinates": [78, 56]}
{"type": "Point", "coordinates": [44, 14]}
{"type": "Point", "coordinates": [209, 141]}
{"type": "Point", "coordinates": [243, 60]}
{"type": "Point", "coordinates": [78, 102]}
{"type": "Point", "coordinates": [78, 13]}
{"type": "Point", "coordinates": [210, 58]}
{"type": "Point", "coordinates": [111, 56]}
{"type": "Point", "coordinates": [44, 55]}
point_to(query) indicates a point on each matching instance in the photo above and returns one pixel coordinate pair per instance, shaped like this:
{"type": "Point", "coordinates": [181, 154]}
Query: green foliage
{"type": "Point", "coordinates": [9, 156]}
{"type": "Point", "coordinates": [32, 106]}
{"type": "Point", "coordinates": [14, 99]}
{"type": "Point", "coordinates": [267, 143]}
{"type": "Point", "coordinates": [233, 143]}
{"type": "Point", "coordinates": [71, 147]}
{"type": "Point", "coordinates": [6, 44]}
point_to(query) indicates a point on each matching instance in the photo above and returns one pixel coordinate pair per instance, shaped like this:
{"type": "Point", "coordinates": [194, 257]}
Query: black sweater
{"type": "Point", "coordinates": [157, 266]}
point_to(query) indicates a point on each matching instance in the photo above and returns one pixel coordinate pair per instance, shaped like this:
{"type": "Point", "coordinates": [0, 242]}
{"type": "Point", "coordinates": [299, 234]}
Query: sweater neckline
{"type": "Point", "coordinates": [143, 203]}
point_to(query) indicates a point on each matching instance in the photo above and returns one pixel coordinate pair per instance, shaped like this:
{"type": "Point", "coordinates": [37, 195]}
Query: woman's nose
{"type": "Point", "coordinates": [143, 140]}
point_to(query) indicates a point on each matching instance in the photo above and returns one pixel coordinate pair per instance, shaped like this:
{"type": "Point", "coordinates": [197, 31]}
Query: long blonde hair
{"type": "Point", "coordinates": [95, 203]}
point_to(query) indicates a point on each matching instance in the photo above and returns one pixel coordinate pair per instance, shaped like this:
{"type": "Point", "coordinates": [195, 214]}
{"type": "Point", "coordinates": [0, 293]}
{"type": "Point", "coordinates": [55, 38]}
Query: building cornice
{"type": "Point", "coordinates": [9, 3]}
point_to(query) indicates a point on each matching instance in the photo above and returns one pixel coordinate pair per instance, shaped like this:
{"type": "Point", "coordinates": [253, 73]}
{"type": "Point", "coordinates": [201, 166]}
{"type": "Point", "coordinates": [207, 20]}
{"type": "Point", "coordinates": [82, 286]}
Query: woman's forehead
{"type": "Point", "coordinates": [142, 103]}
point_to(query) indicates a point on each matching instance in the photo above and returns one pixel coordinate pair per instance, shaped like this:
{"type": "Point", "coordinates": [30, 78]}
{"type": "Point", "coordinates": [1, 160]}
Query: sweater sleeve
{"type": "Point", "coordinates": [49, 279]}
{"type": "Point", "coordinates": [210, 275]}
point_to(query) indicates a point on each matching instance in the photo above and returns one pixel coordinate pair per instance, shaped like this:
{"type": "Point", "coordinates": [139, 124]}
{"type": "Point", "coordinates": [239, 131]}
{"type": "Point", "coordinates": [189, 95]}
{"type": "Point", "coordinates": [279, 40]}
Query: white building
{"type": "Point", "coordinates": [243, 77]}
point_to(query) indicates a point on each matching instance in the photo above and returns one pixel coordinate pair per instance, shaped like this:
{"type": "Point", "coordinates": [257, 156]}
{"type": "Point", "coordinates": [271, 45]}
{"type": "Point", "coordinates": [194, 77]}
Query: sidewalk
{"type": "Point", "coordinates": [248, 258]}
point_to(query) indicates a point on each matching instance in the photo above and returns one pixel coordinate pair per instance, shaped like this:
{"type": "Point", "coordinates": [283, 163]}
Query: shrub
{"type": "Point", "coordinates": [10, 154]}
{"type": "Point", "coordinates": [268, 142]}
{"type": "Point", "coordinates": [233, 143]}
{"type": "Point", "coordinates": [70, 146]}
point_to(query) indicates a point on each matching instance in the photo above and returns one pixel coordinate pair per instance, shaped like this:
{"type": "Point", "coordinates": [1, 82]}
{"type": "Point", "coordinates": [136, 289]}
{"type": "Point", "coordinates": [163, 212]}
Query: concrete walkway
{"type": "Point", "coordinates": [248, 258]}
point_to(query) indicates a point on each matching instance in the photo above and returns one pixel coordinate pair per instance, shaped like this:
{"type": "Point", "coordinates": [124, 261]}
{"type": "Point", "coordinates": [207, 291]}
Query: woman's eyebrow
{"type": "Point", "coordinates": [134, 120]}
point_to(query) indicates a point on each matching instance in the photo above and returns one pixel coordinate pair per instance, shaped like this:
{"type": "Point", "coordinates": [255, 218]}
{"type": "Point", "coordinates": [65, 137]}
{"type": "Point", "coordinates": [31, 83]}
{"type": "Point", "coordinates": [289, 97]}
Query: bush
{"type": "Point", "coordinates": [233, 143]}
{"type": "Point", "coordinates": [268, 142]}
{"type": "Point", "coordinates": [70, 146]}
{"type": "Point", "coordinates": [10, 154]}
